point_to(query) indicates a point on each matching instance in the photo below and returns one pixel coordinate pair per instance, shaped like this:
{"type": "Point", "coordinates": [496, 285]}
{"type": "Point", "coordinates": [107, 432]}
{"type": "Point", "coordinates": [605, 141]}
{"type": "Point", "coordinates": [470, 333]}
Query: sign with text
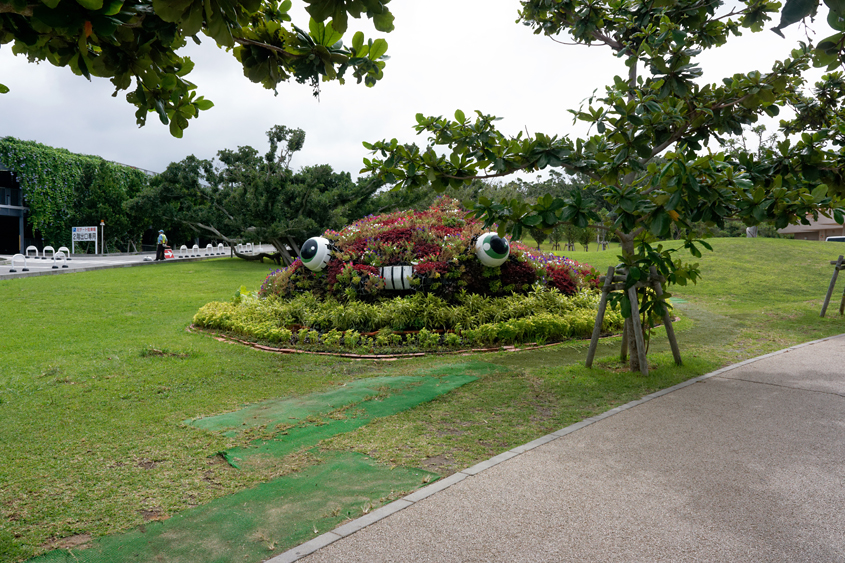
{"type": "Point", "coordinates": [84, 234]}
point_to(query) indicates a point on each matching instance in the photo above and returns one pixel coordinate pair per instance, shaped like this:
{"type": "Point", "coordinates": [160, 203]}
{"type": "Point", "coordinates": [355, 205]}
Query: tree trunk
{"type": "Point", "coordinates": [627, 240]}
{"type": "Point", "coordinates": [293, 245]}
{"type": "Point", "coordinates": [283, 251]}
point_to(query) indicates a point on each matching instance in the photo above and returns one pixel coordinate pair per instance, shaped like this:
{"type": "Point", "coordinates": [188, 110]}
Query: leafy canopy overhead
{"type": "Point", "coordinates": [135, 44]}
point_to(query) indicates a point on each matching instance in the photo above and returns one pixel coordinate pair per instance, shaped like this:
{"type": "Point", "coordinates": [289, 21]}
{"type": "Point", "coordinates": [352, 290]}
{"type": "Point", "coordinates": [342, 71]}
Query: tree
{"type": "Point", "coordinates": [646, 157]}
{"type": "Point", "coordinates": [254, 197]}
{"type": "Point", "coordinates": [137, 42]}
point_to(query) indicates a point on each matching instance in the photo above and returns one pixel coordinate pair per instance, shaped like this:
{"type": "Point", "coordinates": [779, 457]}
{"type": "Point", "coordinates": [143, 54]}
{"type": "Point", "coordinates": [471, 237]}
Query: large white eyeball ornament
{"type": "Point", "coordinates": [492, 250]}
{"type": "Point", "coordinates": [315, 253]}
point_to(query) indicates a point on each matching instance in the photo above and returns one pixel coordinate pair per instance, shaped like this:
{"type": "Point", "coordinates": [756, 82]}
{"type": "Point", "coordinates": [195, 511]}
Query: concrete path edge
{"type": "Point", "coordinates": [353, 526]}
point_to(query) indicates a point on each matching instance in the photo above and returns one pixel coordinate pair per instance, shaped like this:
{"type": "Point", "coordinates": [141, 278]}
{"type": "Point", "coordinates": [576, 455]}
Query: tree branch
{"type": "Point", "coordinates": [273, 48]}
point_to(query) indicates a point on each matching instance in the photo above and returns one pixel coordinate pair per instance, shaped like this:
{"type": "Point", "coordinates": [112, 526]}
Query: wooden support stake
{"type": "Point", "coordinates": [623, 355]}
{"type": "Point", "coordinates": [842, 304]}
{"type": "Point", "coordinates": [832, 284]}
{"type": "Point", "coordinates": [594, 341]}
{"type": "Point", "coordinates": [667, 320]}
{"type": "Point", "coordinates": [638, 330]}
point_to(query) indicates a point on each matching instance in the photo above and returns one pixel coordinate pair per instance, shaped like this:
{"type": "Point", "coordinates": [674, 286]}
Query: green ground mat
{"type": "Point", "coordinates": [259, 523]}
{"type": "Point", "coordinates": [256, 524]}
{"type": "Point", "coordinates": [384, 398]}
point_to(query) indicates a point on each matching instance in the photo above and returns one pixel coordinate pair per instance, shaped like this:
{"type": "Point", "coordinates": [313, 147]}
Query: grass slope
{"type": "Point", "coordinates": [97, 375]}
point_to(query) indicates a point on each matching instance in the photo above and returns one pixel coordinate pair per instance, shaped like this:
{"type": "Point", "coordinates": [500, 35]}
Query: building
{"type": "Point", "coordinates": [11, 213]}
{"type": "Point", "coordinates": [816, 230]}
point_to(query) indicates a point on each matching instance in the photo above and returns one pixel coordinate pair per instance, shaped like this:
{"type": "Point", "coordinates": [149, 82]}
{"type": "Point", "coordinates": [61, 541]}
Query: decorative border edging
{"type": "Point", "coordinates": [376, 357]}
{"type": "Point", "coordinates": [353, 526]}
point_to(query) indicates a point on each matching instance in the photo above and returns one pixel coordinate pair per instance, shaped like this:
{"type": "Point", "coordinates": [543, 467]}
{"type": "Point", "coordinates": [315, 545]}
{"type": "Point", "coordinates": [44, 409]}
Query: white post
{"type": "Point", "coordinates": [14, 258]}
{"type": "Point", "coordinates": [61, 256]}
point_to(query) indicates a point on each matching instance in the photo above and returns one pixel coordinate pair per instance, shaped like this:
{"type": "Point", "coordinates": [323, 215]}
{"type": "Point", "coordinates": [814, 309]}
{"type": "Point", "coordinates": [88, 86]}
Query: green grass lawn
{"type": "Point", "coordinates": [98, 375]}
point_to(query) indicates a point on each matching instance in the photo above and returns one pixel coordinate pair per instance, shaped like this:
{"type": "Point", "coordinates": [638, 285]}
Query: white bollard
{"type": "Point", "coordinates": [52, 252]}
{"type": "Point", "coordinates": [209, 250]}
{"type": "Point", "coordinates": [66, 250]}
{"type": "Point", "coordinates": [249, 248]}
{"type": "Point", "coordinates": [35, 248]}
{"type": "Point", "coordinates": [195, 250]}
{"type": "Point", "coordinates": [220, 248]}
{"type": "Point", "coordinates": [61, 256]}
{"type": "Point", "coordinates": [14, 258]}
{"type": "Point", "coordinates": [183, 251]}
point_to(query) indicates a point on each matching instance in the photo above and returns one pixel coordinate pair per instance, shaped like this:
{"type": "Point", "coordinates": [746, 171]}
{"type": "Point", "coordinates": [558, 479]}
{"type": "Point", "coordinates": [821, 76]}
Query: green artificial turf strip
{"type": "Point", "coordinates": [258, 523]}
{"type": "Point", "coordinates": [98, 376]}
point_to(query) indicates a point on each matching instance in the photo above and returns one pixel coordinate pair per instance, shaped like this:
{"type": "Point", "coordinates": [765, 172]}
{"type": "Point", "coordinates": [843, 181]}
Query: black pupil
{"type": "Point", "coordinates": [498, 245]}
{"type": "Point", "coordinates": [310, 250]}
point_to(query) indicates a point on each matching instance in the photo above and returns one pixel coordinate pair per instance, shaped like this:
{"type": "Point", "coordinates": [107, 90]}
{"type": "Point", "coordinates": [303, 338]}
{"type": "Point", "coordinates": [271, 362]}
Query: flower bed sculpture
{"type": "Point", "coordinates": [411, 281]}
{"type": "Point", "coordinates": [436, 251]}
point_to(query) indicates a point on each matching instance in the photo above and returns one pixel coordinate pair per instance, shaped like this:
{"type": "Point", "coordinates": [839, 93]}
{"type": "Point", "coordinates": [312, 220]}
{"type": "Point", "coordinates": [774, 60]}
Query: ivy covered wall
{"type": "Point", "coordinates": [64, 189]}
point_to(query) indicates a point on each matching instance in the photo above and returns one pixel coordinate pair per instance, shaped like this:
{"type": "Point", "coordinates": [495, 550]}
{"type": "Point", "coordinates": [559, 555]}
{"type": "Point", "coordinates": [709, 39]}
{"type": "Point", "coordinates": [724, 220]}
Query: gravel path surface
{"type": "Point", "coordinates": [744, 465]}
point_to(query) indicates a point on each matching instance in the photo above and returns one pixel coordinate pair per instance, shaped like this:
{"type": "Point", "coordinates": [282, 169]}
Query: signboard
{"type": "Point", "coordinates": [84, 234]}
{"type": "Point", "coordinates": [168, 253]}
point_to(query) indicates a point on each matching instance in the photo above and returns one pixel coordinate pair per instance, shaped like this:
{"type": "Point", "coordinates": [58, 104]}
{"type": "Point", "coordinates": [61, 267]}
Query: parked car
{"type": "Point", "coordinates": [835, 239]}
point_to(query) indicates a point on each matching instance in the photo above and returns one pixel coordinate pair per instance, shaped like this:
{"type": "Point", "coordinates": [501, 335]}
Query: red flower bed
{"type": "Point", "coordinates": [427, 268]}
{"type": "Point", "coordinates": [518, 274]}
{"type": "Point", "coordinates": [560, 279]}
{"type": "Point", "coordinates": [423, 249]}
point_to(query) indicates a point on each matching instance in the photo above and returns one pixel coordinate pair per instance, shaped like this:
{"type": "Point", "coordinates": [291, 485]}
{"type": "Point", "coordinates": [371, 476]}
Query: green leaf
{"type": "Point", "coordinates": [203, 104]}
{"type": "Point", "coordinates": [836, 20]}
{"type": "Point", "coordinates": [660, 223]}
{"type": "Point", "coordinates": [626, 307]}
{"type": "Point", "coordinates": [357, 41]}
{"type": "Point", "coordinates": [175, 130]}
{"type": "Point", "coordinates": [383, 22]}
{"type": "Point", "coordinates": [192, 23]}
{"type": "Point", "coordinates": [377, 49]}
{"type": "Point", "coordinates": [838, 216]}
{"type": "Point", "coordinates": [111, 7]}
{"type": "Point", "coordinates": [794, 11]}
{"type": "Point", "coordinates": [836, 5]}
{"type": "Point", "coordinates": [90, 4]}
{"type": "Point", "coordinates": [820, 192]}
{"type": "Point", "coordinates": [531, 220]}
{"type": "Point", "coordinates": [459, 116]}
{"type": "Point", "coordinates": [169, 10]}
{"type": "Point", "coordinates": [4, 89]}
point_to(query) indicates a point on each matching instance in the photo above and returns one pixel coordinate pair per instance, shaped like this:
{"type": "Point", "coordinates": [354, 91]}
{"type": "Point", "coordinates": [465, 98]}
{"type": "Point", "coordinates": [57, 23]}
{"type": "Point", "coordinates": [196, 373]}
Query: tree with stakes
{"type": "Point", "coordinates": [654, 154]}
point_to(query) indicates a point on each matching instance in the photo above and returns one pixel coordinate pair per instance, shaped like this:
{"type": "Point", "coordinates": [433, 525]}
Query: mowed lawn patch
{"type": "Point", "coordinates": [98, 376]}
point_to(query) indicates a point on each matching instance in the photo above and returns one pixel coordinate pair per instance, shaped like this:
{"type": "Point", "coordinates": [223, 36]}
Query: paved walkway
{"type": "Point", "coordinates": [88, 262]}
{"type": "Point", "coordinates": [744, 464]}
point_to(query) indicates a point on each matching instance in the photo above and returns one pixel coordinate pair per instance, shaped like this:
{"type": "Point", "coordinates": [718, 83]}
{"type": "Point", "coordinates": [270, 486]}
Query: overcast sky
{"type": "Point", "coordinates": [445, 55]}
